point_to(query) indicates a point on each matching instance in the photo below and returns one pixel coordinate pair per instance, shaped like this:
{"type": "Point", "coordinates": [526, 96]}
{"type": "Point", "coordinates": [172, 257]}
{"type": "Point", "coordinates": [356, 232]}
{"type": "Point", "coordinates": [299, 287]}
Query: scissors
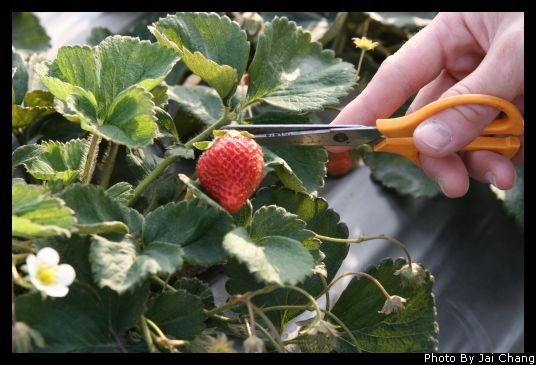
{"type": "Point", "coordinates": [395, 135]}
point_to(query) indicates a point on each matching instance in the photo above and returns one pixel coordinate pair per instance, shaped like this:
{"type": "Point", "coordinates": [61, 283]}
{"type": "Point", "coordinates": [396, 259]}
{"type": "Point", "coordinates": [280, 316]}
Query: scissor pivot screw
{"type": "Point", "coordinates": [340, 137]}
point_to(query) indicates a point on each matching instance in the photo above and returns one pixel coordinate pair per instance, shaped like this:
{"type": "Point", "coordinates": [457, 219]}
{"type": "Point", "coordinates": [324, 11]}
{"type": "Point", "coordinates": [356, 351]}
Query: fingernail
{"type": "Point", "coordinates": [439, 182]}
{"type": "Point", "coordinates": [490, 177]}
{"type": "Point", "coordinates": [435, 135]}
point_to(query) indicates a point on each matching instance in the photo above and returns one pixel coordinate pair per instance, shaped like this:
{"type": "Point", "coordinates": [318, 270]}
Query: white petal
{"type": "Point", "coordinates": [65, 274]}
{"type": "Point", "coordinates": [57, 290]}
{"type": "Point", "coordinates": [48, 256]}
{"type": "Point", "coordinates": [31, 264]}
{"type": "Point", "coordinates": [38, 284]}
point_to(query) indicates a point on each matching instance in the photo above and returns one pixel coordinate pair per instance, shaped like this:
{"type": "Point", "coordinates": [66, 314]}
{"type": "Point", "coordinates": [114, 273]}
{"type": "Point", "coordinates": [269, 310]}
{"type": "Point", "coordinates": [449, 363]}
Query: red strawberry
{"type": "Point", "coordinates": [231, 169]}
{"type": "Point", "coordinates": [339, 163]}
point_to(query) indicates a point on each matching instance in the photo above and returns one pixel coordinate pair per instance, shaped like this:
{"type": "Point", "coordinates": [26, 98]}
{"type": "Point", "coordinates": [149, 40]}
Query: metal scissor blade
{"type": "Point", "coordinates": [310, 134]}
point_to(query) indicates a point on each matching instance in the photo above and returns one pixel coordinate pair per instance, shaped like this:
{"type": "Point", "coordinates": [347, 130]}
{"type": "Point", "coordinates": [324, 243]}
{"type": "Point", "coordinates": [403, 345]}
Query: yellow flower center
{"type": "Point", "coordinates": [46, 275]}
{"type": "Point", "coordinates": [364, 43]}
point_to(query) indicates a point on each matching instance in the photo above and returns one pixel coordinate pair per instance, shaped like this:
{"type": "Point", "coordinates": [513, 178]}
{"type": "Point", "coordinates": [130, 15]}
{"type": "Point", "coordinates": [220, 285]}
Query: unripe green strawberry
{"type": "Point", "coordinates": [231, 169]}
{"type": "Point", "coordinates": [339, 163]}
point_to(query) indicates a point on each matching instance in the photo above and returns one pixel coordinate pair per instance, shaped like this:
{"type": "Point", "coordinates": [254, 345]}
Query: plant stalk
{"type": "Point", "coordinates": [108, 166]}
{"type": "Point", "coordinates": [90, 159]}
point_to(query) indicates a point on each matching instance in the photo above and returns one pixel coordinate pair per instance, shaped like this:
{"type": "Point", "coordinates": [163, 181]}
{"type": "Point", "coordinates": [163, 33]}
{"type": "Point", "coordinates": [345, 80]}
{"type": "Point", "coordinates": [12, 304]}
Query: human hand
{"type": "Point", "coordinates": [458, 53]}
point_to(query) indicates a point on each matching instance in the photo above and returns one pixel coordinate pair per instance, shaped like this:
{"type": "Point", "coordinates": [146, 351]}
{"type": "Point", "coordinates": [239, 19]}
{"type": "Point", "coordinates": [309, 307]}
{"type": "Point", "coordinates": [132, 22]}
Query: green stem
{"type": "Point", "coordinates": [251, 318]}
{"type": "Point", "coordinates": [372, 278]}
{"type": "Point", "coordinates": [266, 334]}
{"type": "Point", "coordinates": [147, 335]}
{"type": "Point", "coordinates": [359, 64]}
{"type": "Point", "coordinates": [280, 346]}
{"type": "Point", "coordinates": [162, 283]}
{"type": "Point", "coordinates": [345, 328]}
{"type": "Point", "coordinates": [233, 302]}
{"type": "Point", "coordinates": [155, 328]}
{"type": "Point", "coordinates": [304, 308]}
{"type": "Point", "coordinates": [108, 165]}
{"type": "Point", "coordinates": [308, 296]}
{"type": "Point", "coordinates": [225, 319]}
{"type": "Point", "coordinates": [363, 239]}
{"type": "Point", "coordinates": [90, 159]}
{"type": "Point", "coordinates": [239, 299]}
{"type": "Point", "coordinates": [144, 184]}
{"type": "Point", "coordinates": [325, 284]}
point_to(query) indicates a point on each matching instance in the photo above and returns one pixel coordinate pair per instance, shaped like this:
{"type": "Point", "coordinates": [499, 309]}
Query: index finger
{"type": "Point", "coordinates": [415, 64]}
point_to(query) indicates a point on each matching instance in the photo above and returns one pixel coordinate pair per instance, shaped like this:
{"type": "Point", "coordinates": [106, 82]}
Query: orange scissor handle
{"type": "Point", "coordinates": [398, 132]}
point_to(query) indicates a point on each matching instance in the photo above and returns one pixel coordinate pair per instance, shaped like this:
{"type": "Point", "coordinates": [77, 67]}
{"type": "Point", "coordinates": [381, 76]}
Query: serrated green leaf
{"type": "Point", "coordinates": [27, 32]}
{"type": "Point", "coordinates": [39, 98]}
{"type": "Point", "coordinates": [198, 288]}
{"type": "Point", "coordinates": [212, 47]}
{"type": "Point", "coordinates": [81, 322]}
{"type": "Point", "coordinates": [160, 95]}
{"type": "Point", "coordinates": [24, 153]}
{"type": "Point", "coordinates": [298, 168]}
{"type": "Point", "coordinates": [320, 219]}
{"type": "Point", "coordinates": [179, 314]}
{"type": "Point", "coordinates": [268, 114]}
{"type": "Point", "coordinates": [57, 161]}
{"type": "Point", "coordinates": [22, 116]}
{"type": "Point", "coordinates": [107, 86]}
{"type": "Point", "coordinates": [19, 81]}
{"type": "Point", "coordinates": [244, 216]}
{"type": "Point", "coordinates": [272, 259]}
{"type": "Point", "coordinates": [166, 124]}
{"type": "Point", "coordinates": [198, 107]}
{"type": "Point", "coordinates": [400, 174]}
{"type": "Point", "coordinates": [35, 213]}
{"type": "Point", "coordinates": [122, 265]}
{"type": "Point", "coordinates": [322, 25]}
{"type": "Point", "coordinates": [195, 226]}
{"type": "Point", "coordinates": [413, 329]}
{"type": "Point", "coordinates": [93, 206]}
{"type": "Point", "coordinates": [122, 192]}
{"type": "Point", "coordinates": [272, 220]}
{"type": "Point", "coordinates": [306, 79]}
{"type": "Point", "coordinates": [514, 199]}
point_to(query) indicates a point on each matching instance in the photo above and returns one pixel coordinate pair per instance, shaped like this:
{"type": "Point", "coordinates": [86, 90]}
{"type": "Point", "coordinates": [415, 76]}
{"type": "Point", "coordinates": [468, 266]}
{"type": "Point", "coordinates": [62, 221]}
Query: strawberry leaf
{"type": "Point", "coordinates": [195, 226]}
{"type": "Point", "coordinates": [298, 168]}
{"type": "Point", "coordinates": [53, 160]}
{"type": "Point", "coordinates": [272, 259]}
{"type": "Point", "coordinates": [19, 80]}
{"type": "Point", "coordinates": [213, 47]}
{"type": "Point", "coordinates": [107, 86]}
{"type": "Point", "coordinates": [319, 219]}
{"type": "Point", "coordinates": [34, 213]}
{"type": "Point", "coordinates": [27, 32]}
{"type": "Point", "coordinates": [413, 329]}
{"type": "Point", "coordinates": [198, 108]}
{"type": "Point", "coordinates": [121, 192]}
{"type": "Point", "coordinates": [179, 314]}
{"type": "Point", "coordinates": [398, 173]}
{"type": "Point", "coordinates": [84, 320]}
{"type": "Point", "coordinates": [94, 208]}
{"type": "Point", "coordinates": [123, 265]}
{"type": "Point", "coordinates": [306, 79]}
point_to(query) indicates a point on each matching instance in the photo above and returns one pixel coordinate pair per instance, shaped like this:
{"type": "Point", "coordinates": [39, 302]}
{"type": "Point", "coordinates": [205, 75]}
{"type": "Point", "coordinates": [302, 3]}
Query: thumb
{"type": "Point", "coordinates": [451, 130]}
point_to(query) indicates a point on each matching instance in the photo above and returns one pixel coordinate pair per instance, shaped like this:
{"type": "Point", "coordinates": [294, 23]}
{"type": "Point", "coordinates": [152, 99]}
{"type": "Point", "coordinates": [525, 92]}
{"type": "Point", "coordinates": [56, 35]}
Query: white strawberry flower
{"type": "Point", "coordinates": [47, 276]}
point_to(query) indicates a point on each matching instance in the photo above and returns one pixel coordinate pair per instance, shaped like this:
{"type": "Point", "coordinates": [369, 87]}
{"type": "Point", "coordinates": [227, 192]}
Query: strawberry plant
{"type": "Point", "coordinates": [120, 225]}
